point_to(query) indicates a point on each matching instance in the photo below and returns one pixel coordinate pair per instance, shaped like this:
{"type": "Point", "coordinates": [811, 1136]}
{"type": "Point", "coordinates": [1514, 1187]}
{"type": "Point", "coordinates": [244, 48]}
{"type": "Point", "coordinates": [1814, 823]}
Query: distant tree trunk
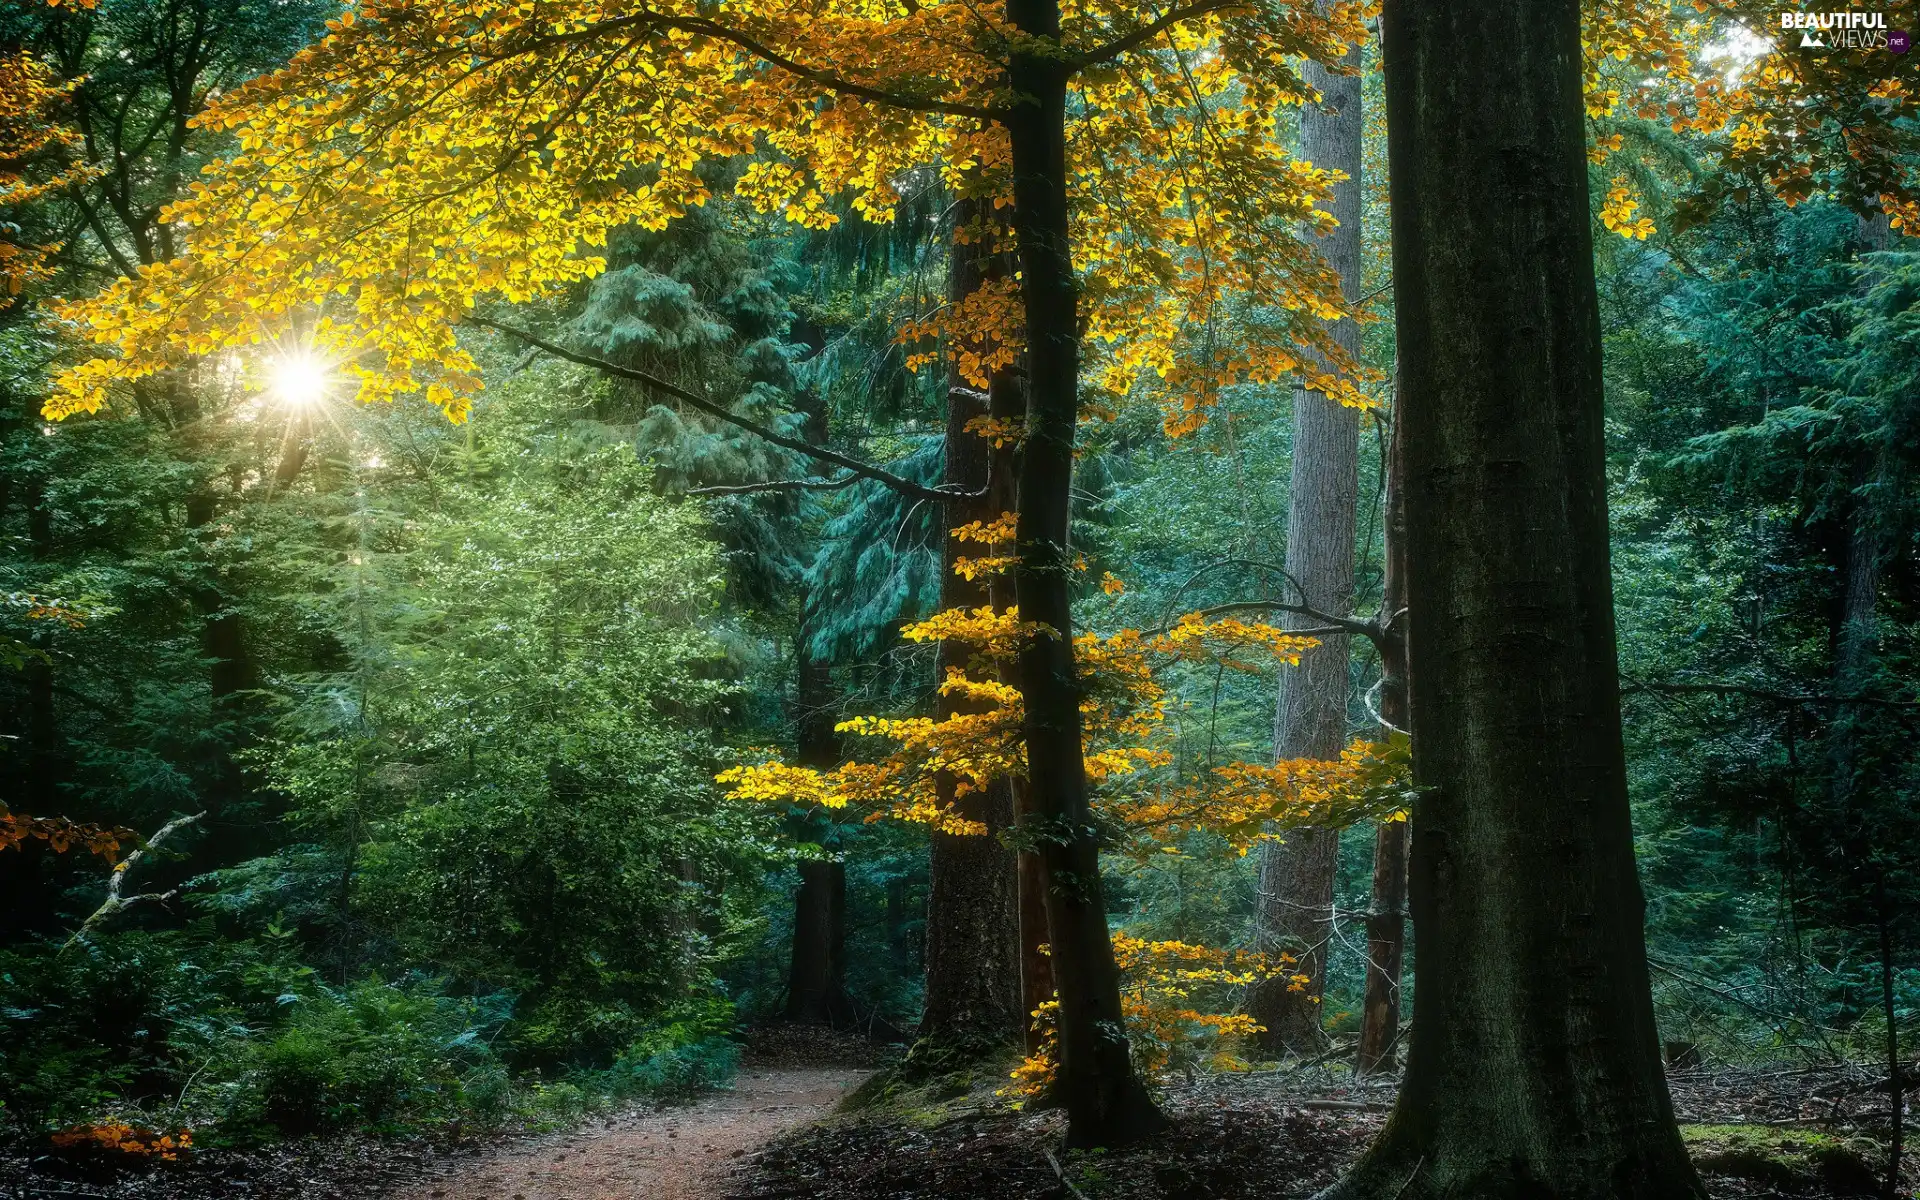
{"type": "Point", "coordinates": [1310, 721]}
{"type": "Point", "coordinates": [1008, 403]}
{"type": "Point", "coordinates": [817, 972]}
{"type": "Point", "coordinates": [1534, 1068]}
{"type": "Point", "coordinates": [1387, 913]}
{"type": "Point", "coordinates": [816, 980]}
{"type": "Point", "coordinates": [973, 930]}
{"type": "Point", "coordinates": [1106, 1103]}
{"type": "Point", "coordinates": [45, 747]}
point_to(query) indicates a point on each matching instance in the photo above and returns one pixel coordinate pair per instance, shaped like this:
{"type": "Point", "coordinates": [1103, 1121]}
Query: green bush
{"type": "Point", "coordinates": [372, 1055]}
{"type": "Point", "coordinates": [126, 1021]}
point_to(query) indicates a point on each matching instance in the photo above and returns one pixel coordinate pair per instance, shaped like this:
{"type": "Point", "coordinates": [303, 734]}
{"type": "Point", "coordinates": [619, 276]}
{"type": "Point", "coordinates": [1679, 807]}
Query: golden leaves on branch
{"type": "Point", "coordinates": [61, 834]}
{"type": "Point", "coordinates": [432, 154]}
{"type": "Point", "coordinates": [1177, 1000]}
{"type": "Point", "coordinates": [1123, 713]}
{"type": "Point", "coordinates": [32, 145]}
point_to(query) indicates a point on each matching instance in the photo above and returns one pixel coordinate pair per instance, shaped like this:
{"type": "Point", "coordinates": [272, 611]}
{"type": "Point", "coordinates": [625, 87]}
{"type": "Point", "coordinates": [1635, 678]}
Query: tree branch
{"type": "Point", "coordinates": [832, 83]}
{"type": "Point", "coordinates": [776, 485]}
{"type": "Point", "coordinates": [1335, 624]}
{"type": "Point", "coordinates": [1146, 33]}
{"type": "Point", "coordinates": [1378, 630]}
{"type": "Point", "coordinates": [904, 486]}
{"type": "Point", "coordinates": [115, 903]}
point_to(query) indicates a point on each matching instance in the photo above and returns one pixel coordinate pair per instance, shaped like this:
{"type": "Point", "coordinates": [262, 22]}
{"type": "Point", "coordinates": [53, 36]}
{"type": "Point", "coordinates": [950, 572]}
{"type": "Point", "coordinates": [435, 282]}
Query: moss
{"type": "Point", "coordinates": [929, 1087]}
{"type": "Point", "coordinates": [1785, 1158]}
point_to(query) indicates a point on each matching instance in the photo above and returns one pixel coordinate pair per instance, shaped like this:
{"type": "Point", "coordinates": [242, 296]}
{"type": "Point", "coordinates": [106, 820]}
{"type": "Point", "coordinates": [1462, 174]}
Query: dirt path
{"type": "Point", "coordinates": [676, 1154]}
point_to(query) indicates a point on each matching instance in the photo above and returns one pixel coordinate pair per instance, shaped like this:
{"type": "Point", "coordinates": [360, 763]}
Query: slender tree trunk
{"type": "Point", "coordinates": [1007, 402]}
{"type": "Point", "coordinates": [816, 976]}
{"type": "Point", "coordinates": [45, 747]}
{"type": "Point", "coordinates": [1884, 914]}
{"type": "Point", "coordinates": [1534, 1069]}
{"type": "Point", "coordinates": [1310, 721]}
{"type": "Point", "coordinates": [1387, 914]}
{"type": "Point", "coordinates": [1105, 1100]}
{"type": "Point", "coordinates": [973, 930]}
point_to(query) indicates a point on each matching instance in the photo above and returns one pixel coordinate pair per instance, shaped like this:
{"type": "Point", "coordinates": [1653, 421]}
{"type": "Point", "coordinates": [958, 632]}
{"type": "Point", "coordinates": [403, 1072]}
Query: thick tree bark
{"type": "Point", "coordinates": [816, 976]}
{"type": "Point", "coordinates": [1310, 721]}
{"type": "Point", "coordinates": [1105, 1100]}
{"type": "Point", "coordinates": [1387, 912]}
{"type": "Point", "coordinates": [1534, 1069]}
{"type": "Point", "coordinates": [973, 931]}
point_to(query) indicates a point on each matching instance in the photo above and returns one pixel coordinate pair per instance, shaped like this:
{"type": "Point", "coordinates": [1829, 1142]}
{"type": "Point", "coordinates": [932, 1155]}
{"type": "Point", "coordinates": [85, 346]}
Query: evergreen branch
{"type": "Point", "coordinates": [898, 483]}
{"type": "Point", "coordinates": [1759, 693]}
{"type": "Point", "coordinates": [776, 485]}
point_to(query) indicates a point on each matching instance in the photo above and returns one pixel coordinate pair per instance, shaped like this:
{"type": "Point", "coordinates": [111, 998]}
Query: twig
{"type": "Point", "coordinates": [1415, 1174]}
{"type": "Point", "coordinates": [1062, 1175]}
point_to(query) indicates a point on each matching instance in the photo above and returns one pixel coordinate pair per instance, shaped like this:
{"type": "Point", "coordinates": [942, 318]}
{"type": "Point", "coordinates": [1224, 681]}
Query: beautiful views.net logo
{"type": "Point", "coordinates": [1844, 31]}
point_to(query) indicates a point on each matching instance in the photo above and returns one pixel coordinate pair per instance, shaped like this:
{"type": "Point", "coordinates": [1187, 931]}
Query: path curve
{"type": "Point", "coordinates": [674, 1154]}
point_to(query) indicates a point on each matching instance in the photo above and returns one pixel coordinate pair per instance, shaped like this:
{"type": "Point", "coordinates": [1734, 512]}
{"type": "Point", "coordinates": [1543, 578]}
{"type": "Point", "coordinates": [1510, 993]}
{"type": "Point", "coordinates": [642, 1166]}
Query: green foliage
{"type": "Point", "coordinates": [372, 1055]}
{"type": "Point", "coordinates": [129, 1019]}
{"type": "Point", "coordinates": [1765, 539]}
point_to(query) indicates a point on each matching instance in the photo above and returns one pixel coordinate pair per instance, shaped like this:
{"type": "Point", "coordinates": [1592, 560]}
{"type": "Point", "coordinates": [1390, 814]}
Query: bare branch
{"type": "Point", "coordinates": [904, 486]}
{"type": "Point", "coordinates": [776, 485]}
{"type": "Point", "coordinates": [115, 903]}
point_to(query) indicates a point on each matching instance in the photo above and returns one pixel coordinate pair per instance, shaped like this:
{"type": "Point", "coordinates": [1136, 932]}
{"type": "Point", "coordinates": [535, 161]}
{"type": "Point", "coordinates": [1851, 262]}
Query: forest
{"type": "Point", "coordinates": [891, 599]}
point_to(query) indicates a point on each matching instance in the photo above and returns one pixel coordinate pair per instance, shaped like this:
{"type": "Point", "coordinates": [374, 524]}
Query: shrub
{"type": "Point", "coordinates": [371, 1055]}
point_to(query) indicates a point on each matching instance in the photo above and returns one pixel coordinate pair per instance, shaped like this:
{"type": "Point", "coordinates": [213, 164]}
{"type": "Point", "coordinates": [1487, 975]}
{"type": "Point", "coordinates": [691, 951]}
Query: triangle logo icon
{"type": "Point", "coordinates": [1812, 41]}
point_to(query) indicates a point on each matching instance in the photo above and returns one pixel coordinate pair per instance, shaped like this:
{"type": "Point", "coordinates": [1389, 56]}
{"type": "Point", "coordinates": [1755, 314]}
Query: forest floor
{"type": "Point", "coordinates": [673, 1154]}
{"type": "Point", "coordinates": [1263, 1136]}
{"type": "Point", "coordinates": [776, 1135]}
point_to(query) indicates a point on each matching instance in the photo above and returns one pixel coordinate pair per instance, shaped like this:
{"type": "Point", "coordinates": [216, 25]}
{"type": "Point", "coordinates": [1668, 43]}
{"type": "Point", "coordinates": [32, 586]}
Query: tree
{"type": "Point", "coordinates": [402, 164]}
{"type": "Point", "coordinates": [1310, 720]}
{"type": "Point", "coordinates": [1387, 905]}
{"type": "Point", "coordinates": [1534, 1068]}
{"type": "Point", "coordinates": [974, 997]}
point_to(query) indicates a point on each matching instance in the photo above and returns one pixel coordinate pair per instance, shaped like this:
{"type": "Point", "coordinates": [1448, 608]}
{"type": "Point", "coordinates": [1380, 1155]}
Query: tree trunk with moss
{"type": "Point", "coordinates": [1387, 906]}
{"type": "Point", "coordinates": [1534, 1066]}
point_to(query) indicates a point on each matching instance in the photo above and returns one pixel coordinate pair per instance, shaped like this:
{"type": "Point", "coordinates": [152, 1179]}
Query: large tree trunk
{"type": "Point", "coordinates": [1105, 1100]}
{"type": "Point", "coordinates": [1534, 1069]}
{"type": "Point", "coordinates": [973, 968]}
{"type": "Point", "coordinates": [1387, 912]}
{"type": "Point", "coordinates": [817, 972]}
{"type": "Point", "coordinates": [1310, 721]}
